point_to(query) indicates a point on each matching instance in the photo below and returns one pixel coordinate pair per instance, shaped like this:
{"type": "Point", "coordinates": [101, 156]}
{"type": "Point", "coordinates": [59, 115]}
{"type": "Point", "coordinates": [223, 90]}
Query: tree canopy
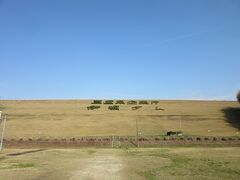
{"type": "Point", "coordinates": [238, 96]}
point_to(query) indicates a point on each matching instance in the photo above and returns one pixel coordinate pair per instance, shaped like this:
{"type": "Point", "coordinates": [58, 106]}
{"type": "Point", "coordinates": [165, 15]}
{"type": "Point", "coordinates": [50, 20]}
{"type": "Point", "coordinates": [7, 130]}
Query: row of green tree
{"type": "Point", "coordinates": [93, 107]}
{"type": "Point", "coordinates": [123, 102]}
{"type": "Point", "coordinates": [115, 107]}
{"type": "Point", "coordinates": [132, 102]}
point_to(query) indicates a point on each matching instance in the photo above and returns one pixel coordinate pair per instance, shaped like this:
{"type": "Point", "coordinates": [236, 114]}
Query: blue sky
{"type": "Point", "coordinates": [136, 49]}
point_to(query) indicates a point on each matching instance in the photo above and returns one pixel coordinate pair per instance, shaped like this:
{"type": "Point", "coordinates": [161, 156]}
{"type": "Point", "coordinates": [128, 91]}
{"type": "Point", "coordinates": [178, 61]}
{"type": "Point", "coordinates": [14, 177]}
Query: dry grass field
{"type": "Point", "coordinates": [70, 118]}
{"type": "Point", "coordinates": [148, 163]}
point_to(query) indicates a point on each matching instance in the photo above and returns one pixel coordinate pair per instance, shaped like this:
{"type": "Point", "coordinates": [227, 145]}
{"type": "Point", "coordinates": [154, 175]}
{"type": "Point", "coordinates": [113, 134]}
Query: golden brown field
{"type": "Point", "coordinates": [70, 118]}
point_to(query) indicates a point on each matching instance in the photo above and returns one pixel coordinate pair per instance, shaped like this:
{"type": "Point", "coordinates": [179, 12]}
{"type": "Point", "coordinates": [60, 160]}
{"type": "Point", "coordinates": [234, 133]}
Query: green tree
{"type": "Point", "coordinates": [238, 96]}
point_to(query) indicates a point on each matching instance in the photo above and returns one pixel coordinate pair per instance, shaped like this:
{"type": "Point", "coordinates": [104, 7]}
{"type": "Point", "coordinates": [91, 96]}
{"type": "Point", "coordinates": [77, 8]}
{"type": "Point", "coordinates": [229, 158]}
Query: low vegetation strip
{"type": "Point", "coordinates": [122, 141]}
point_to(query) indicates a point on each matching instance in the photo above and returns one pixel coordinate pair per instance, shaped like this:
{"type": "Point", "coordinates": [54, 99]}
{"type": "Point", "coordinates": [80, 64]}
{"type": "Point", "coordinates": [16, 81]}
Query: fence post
{"type": "Point", "coordinates": [4, 119]}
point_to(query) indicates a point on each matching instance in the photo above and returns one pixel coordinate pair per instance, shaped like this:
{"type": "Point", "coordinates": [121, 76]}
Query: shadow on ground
{"type": "Point", "coordinates": [25, 152]}
{"type": "Point", "coordinates": [232, 116]}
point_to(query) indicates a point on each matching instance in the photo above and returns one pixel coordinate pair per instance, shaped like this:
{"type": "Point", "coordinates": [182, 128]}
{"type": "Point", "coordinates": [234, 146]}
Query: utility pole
{"type": "Point", "coordinates": [137, 133]}
{"type": "Point", "coordinates": [4, 119]}
{"type": "Point", "coordinates": [180, 123]}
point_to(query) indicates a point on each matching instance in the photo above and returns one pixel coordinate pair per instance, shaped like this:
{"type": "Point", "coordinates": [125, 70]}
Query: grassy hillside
{"type": "Point", "coordinates": [70, 118]}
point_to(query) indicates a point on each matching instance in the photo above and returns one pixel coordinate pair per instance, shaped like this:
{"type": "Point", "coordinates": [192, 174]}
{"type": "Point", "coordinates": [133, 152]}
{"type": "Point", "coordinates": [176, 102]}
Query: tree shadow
{"type": "Point", "coordinates": [232, 115]}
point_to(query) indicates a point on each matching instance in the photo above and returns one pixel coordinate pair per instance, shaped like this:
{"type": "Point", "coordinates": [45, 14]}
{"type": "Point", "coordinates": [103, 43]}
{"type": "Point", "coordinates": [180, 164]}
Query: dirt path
{"type": "Point", "coordinates": [105, 167]}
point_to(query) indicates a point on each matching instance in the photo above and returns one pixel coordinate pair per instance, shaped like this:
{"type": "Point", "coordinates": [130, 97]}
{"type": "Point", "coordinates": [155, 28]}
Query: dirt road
{"type": "Point", "coordinates": [100, 167]}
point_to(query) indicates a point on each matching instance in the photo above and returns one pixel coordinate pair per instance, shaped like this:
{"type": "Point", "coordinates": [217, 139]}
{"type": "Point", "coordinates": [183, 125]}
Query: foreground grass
{"type": "Point", "coordinates": [142, 163]}
{"type": "Point", "coordinates": [192, 163]}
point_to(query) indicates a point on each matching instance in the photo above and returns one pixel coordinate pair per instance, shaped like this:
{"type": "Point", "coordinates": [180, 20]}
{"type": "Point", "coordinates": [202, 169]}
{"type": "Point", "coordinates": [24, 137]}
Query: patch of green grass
{"type": "Point", "coordinates": [12, 165]}
{"type": "Point", "coordinates": [149, 175]}
{"type": "Point", "coordinates": [23, 165]}
{"type": "Point", "coordinates": [196, 167]}
{"type": "Point", "coordinates": [90, 152]}
{"type": "Point", "coordinates": [187, 166]}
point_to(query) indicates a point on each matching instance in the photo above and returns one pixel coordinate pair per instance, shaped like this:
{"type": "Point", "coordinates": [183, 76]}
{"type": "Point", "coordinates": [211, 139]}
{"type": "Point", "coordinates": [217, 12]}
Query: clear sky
{"type": "Point", "coordinates": [175, 49]}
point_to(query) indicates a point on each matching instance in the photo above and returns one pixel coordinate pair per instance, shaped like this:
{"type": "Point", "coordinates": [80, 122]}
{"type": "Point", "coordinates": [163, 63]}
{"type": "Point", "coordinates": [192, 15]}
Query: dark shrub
{"type": "Point", "coordinates": [223, 139]}
{"type": "Point", "coordinates": [136, 107]}
{"type": "Point", "coordinates": [132, 102]}
{"type": "Point", "coordinates": [108, 102]}
{"type": "Point", "coordinates": [154, 102]}
{"type": "Point", "coordinates": [206, 139]}
{"type": "Point", "coordinates": [174, 133]}
{"type": "Point", "coordinates": [143, 102]}
{"type": "Point", "coordinates": [198, 139]}
{"type": "Point", "coordinates": [97, 102]}
{"type": "Point", "coordinates": [120, 102]}
{"type": "Point", "coordinates": [72, 139]}
{"type": "Point", "coordinates": [93, 107]}
{"type": "Point", "coordinates": [214, 139]}
{"type": "Point", "coordinates": [113, 108]}
{"type": "Point", "coordinates": [189, 138]}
